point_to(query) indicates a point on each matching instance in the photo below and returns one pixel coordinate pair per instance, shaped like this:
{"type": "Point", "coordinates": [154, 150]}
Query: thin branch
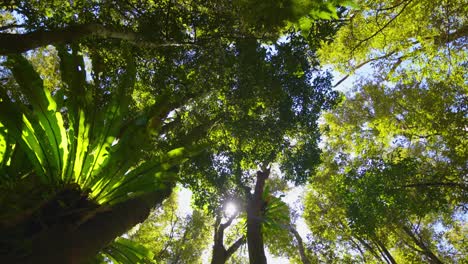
{"type": "Point", "coordinates": [362, 64]}
{"type": "Point", "coordinates": [382, 28]}
{"type": "Point", "coordinates": [436, 184]}
{"type": "Point", "coordinates": [391, 7]}
{"type": "Point", "coordinates": [229, 222]}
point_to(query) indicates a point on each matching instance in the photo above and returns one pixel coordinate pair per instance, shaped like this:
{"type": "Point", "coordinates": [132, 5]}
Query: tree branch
{"type": "Point", "coordinates": [229, 222]}
{"type": "Point", "coordinates": [234, 247]}
{"type": "Point", "coordinates": [382, 28]}
{"type": "Point", "coordinates": [436, 184]}
{"type": "Point", "coordinates": [2, 28]}
{"type": "Point", "coordinates": [362, 64]}
{"type": "Point", "coordinates": [17, 43]}
{"type": "Point", "coordinates": [425, 250]}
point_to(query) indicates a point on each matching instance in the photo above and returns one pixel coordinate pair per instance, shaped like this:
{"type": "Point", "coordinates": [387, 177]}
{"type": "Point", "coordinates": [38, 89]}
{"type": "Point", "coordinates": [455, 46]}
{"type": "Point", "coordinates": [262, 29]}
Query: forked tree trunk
{"type": "Point", "coordinates": [65, 243]}
{"type": "Point", "coordinates": [220, 254]}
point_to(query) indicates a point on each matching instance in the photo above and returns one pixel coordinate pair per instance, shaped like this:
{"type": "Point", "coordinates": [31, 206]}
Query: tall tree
{"type": "Point", "coordinates": [220, 253]}
{"type": "Point", "coordinates": [72, 140]}
{"type": "Point", "coordinates": [285, 108]}
{"type": "Point", "coordinates": [384, 166]}
{"type": "Point", "coordinates": [405, 36]}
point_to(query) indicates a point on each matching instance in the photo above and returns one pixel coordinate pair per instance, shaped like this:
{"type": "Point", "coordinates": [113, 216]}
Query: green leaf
{"type": "Point", "coordinates": [125, 251]}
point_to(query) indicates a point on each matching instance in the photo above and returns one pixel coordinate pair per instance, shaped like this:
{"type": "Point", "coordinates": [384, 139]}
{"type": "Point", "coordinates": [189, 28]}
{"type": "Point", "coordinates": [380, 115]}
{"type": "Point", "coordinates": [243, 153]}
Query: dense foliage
{"type": "Point", "coordinates": [107, 106]}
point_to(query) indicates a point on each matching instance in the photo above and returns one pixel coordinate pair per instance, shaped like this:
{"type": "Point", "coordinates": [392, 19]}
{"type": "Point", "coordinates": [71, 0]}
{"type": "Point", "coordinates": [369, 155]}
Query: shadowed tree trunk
{"type": "Point", "coordinates": [254, 220]}
{"type": "Point", "coordinates": [387, 255]}
{"type": "Point", "coordinates": [68, 243]}
{"type": "Point", "coordinates": [369, 247]}
{"type": "Point", "coordinates": [220, 254]}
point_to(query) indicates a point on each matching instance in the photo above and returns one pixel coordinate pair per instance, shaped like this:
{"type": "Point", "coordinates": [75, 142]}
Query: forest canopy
{"type": "Point", "coordinates": [214, 131]}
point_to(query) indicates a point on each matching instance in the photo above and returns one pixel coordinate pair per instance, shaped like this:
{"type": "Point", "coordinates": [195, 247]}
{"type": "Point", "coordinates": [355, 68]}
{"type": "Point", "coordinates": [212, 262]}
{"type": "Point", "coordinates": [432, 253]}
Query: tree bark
{"type": "Point", "coordinates": [18, 43]}
{"type": "Point", "coordinates": [66, 243]}
{"type": "Point", "coordinates": [254, 220]}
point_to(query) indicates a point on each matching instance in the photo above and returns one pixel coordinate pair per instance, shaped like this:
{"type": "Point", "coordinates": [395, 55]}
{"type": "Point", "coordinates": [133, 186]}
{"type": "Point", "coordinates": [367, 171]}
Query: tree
{"type": "Point", "coordinates": [393, 150]}
{"type": "Point", "coordinates": [408, 36]}
{"type": "Point", "coordinates": [220, 254]}
{"type": "Point", "coordinates": [72, 157]}
{"type": "Point", "coordinates": [385, 168]}
{"type": "Point", "coordinates": [72, 141]}
{"type": "Point", "coordinates": [285, 108]}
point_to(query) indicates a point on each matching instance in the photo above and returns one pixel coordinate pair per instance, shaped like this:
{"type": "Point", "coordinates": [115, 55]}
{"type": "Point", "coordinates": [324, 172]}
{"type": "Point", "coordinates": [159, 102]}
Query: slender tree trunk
{"type": "Point", "coordinates": [368, 247]}
{"type": "Point", "coordinates": [356, 244]}
{"type": "Point", "coordinates": [254, 221]}
{"type": "Point", "coordinates": [18, 43]}
{"type": "Point", "coordinates": [425, 250]}
{"type": "Point", "coordinates": [300, 245]}
{"type": "Point", "coordinates": [385, 251]}
{"type": "Point", "coordinates": [66, 243]}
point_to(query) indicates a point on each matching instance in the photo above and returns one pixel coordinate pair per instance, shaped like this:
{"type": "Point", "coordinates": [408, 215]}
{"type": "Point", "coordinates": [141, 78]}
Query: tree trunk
{"type": "Point", "coordinates": [368, 247]}
{"type": "Point", "coordinates": [300, 245]}
{"type": "Point", "coordinates": [254, 221]}
{"type": "Point", "coordinates": [219, 252]}
{"type": "Point", "coordinates": [18, 43]}
{"type": "Point", "coordinates": [425, 250]}
{"type": "Point", "coordinates": [220, 255]}
{"type": "Point", "coordinates": [385, 252]}
{"type": "Point", "coordinates": [65, 243]}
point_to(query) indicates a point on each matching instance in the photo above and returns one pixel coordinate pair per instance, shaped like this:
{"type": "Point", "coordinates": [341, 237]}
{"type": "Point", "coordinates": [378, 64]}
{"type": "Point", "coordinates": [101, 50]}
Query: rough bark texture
{"type": "Point", "coordinates": [254, 221]}
{"type": "Point", "coordinates": [18, 43]}
{"type": "Point", "coordinates": [66, 243]}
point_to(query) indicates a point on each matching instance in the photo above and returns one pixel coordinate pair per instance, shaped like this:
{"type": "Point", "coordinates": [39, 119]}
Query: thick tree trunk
{"type": "Point", "coordinates": [219, 255]}
{"type": "Point", "coordinates": [254, 221]}
{"type": "Point", "coordinates": [18, 43]}
{"type": "Point", "coordinates": [65, 243]}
